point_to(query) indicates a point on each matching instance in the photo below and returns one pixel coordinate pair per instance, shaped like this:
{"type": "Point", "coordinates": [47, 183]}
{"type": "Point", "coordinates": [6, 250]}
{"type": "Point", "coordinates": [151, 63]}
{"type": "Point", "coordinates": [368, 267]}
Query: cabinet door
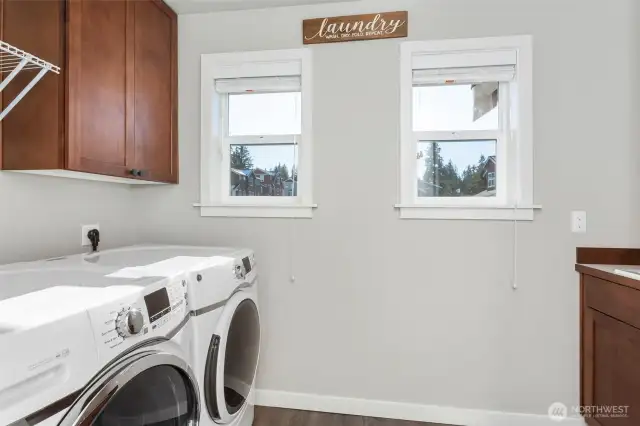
{"type": "Point", "coordinates": [152, 133]}
{"type": "Point", "coordinates": [97, 87]}
{"type": "Point", "coordinates": [611, 372]}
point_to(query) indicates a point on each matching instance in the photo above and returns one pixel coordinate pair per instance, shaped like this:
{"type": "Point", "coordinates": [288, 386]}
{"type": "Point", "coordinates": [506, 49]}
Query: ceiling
{"type": "Point", "coordinates": [201, 6]}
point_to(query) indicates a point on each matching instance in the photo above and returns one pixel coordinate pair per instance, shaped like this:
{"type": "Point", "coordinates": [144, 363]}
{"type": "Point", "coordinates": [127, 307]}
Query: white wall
{"type": "Point", "coordinates": [423, 311]}
{"type": "Point", "coordinates": [41, 217]}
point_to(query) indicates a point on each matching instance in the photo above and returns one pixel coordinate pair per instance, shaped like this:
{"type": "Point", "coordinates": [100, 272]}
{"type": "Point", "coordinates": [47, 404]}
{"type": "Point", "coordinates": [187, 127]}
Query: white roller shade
{"type": "Point", "coordinates": [464, 75]}
{"type": "Point", "coordinates": [467, 59]}
{"type": "Point", "coordinates": [258, 84]}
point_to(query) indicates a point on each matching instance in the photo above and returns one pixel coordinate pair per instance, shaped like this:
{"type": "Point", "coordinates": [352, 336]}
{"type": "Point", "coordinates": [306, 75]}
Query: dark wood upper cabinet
{"type": "Point", "coordinates": [113, 109]}
{"type": "Point", "coordinates": [97, 86]}
{"type": "Point", "coordinates": [153, 76]}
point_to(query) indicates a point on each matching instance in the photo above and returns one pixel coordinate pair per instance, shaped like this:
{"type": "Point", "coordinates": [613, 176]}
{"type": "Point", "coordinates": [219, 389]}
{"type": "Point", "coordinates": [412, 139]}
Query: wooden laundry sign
{"type": "Point", "coordinates": [357, 27]}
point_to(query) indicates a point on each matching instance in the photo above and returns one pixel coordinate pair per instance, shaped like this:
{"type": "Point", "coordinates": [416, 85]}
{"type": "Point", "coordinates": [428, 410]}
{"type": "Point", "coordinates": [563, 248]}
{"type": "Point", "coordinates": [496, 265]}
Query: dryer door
{"type": "Point", "coordinates": [147, 388]}
{"type": "Point", "coordinates": [233, 358]}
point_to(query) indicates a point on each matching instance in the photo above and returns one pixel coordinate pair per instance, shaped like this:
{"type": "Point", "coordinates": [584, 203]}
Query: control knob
{"type": "Point", "coordinates": [239, 272]}
{"type": "Point", "coordinates": [129, 322]}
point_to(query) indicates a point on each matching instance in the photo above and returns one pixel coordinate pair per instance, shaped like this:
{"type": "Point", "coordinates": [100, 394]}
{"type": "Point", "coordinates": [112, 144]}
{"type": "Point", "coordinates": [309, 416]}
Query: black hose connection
{"type": "Point", "coordinates": [94, 237]}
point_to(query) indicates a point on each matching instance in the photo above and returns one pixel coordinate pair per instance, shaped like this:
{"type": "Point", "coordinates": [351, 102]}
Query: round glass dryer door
{"type": "Point", "coordinates": [160, 396]}
{"type": "Point", "coordinates": [149, 388]}
{"type": "Point", "coordinates": [233, 358]}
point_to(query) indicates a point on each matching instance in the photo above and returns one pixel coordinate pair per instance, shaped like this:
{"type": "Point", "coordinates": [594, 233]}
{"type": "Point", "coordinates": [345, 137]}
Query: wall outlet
{"type": "Point", "coordinates": [579, 222]}
{"type": "Point", "coordinates": [85, 231]}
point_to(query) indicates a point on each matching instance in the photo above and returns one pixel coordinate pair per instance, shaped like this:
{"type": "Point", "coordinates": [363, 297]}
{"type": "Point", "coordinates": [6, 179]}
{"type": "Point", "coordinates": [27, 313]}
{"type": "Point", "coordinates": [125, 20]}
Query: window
{"type": "Point", "coordinates": [262, 142]}
{"type": "Point", "coordinates": [466, 143]}
{"type": "Point", "coordinates": [256, 134]}
{"type": "Point", "coordinates": [491, 180]}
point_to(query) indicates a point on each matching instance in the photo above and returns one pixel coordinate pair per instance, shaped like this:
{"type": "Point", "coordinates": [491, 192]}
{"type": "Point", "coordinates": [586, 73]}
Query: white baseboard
{"type": "Point", "coordinates": [404, 411]}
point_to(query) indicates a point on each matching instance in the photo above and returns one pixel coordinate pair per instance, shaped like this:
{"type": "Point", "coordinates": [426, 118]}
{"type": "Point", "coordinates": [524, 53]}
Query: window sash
{"type": "Point", "coordinates": [502, 100]}
{"type": "Point", "coordinates": [225, 117]}
{"type": "Point", "coordinates": [501, 170]}
{"type": "Point", "coordinates": [225, 169]}
{"type": "Point", "coordinates": [245, 200]}
{"type": "Point", "coordinates": [501, 136]}
{"type": "Point", "coordinates": [292, 139]}
{"type": "Point", "coordinates": [463, 135]}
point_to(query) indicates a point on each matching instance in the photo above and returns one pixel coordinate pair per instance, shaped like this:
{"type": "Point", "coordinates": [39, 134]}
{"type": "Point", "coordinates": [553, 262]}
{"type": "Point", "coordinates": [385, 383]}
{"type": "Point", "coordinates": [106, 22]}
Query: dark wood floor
{"type": "Point", "coordinates": [268, 416]}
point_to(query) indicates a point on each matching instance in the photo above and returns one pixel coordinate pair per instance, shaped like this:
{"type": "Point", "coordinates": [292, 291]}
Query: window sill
{"type": "Point", "coordinates": [510, 213]}
{"type": "Point", "coordinates": [257, 211]}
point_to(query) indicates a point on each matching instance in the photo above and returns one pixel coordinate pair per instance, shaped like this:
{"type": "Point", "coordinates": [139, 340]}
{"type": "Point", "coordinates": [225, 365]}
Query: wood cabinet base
{"type": "Point", "coordinates": [610, 340]}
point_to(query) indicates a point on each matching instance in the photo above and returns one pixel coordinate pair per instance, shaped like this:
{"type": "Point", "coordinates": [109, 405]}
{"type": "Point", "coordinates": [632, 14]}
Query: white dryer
{"type": "Point", "coordinates": [83, 347]}
{"type": "Point", "coordinates": [223, 299]}
{"type": "Point", "coordinates": [226, 319]}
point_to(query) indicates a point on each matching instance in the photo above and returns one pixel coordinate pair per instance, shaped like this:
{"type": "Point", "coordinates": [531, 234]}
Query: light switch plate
{"type": "Point", "coordinates": [579, 222]}
{"type": "Point", "coordinates": [85, 231]}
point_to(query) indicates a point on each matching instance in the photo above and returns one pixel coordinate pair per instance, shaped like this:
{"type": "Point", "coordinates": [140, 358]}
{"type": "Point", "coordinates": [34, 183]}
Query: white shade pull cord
{"type": "Point", "coordinates": [292, 236]}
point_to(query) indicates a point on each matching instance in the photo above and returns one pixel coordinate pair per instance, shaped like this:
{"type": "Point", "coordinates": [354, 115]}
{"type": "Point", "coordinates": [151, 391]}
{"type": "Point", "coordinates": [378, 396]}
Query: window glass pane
{"type": "Point", "coordinates": [457, 168]}
{"type": "Point", "coordinates": [265, 114]}
{"type": "Point", "coordinates": [455, 107]}
{"type": "Point", "coordinates": [264, 170]}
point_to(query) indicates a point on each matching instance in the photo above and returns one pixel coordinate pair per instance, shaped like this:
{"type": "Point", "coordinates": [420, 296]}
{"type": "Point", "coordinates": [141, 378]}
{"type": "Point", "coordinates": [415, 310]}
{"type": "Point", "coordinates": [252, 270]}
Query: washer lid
{"type": "Point", "coordinates": [38, 277]}
{"type": "Point", "coordinates": [139, 256]}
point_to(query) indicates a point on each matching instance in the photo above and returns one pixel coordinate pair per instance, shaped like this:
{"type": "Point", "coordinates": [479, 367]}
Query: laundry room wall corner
{"type": "Point", "coordinates": [358, 304]}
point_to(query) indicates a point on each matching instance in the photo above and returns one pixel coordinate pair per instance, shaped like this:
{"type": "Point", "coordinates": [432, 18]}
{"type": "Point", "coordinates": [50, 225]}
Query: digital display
{"type": "Point", "coordinates": [247, 265]}
{"type": "Point", "coordinates": [157, 304]}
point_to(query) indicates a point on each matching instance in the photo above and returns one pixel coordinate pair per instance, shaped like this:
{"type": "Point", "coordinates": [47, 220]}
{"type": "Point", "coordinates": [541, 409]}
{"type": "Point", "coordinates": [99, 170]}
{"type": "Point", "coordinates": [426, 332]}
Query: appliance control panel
{"type": "Point", "coordinates": [215, 280]}
{"type": "Point", "coordinates": [243, 267]}
{"type": "Point", "coordinates": [144, 313]}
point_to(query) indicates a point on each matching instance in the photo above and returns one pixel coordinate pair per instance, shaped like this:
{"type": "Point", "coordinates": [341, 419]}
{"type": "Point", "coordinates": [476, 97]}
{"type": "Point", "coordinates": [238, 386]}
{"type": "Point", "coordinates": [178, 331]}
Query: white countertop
{"type": "Point", "coordinates": [632, 269]}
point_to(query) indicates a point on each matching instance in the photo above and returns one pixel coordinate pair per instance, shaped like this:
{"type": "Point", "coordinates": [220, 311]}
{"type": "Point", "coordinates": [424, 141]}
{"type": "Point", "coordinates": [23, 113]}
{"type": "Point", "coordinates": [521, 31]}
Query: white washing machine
{"type": "Point", "coordinates": [223, 300]}
{"type": "Point", "coordinates": [47, 351]}
{"type": "Point", "coordinates": [82, 347]}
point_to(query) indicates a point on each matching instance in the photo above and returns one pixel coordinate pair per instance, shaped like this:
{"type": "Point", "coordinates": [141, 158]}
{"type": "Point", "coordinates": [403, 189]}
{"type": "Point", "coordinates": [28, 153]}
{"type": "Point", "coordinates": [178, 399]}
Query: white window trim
{"type": "Point", "coordinates": [214, 197]}
{"type": "Point", "coordinates": [517, 202]}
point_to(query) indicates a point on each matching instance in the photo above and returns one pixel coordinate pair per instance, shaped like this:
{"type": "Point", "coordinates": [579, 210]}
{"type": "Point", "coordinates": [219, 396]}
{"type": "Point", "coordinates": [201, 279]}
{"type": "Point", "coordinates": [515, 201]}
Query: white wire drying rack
{"type": "Point", "coordinates": [14, 61]}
